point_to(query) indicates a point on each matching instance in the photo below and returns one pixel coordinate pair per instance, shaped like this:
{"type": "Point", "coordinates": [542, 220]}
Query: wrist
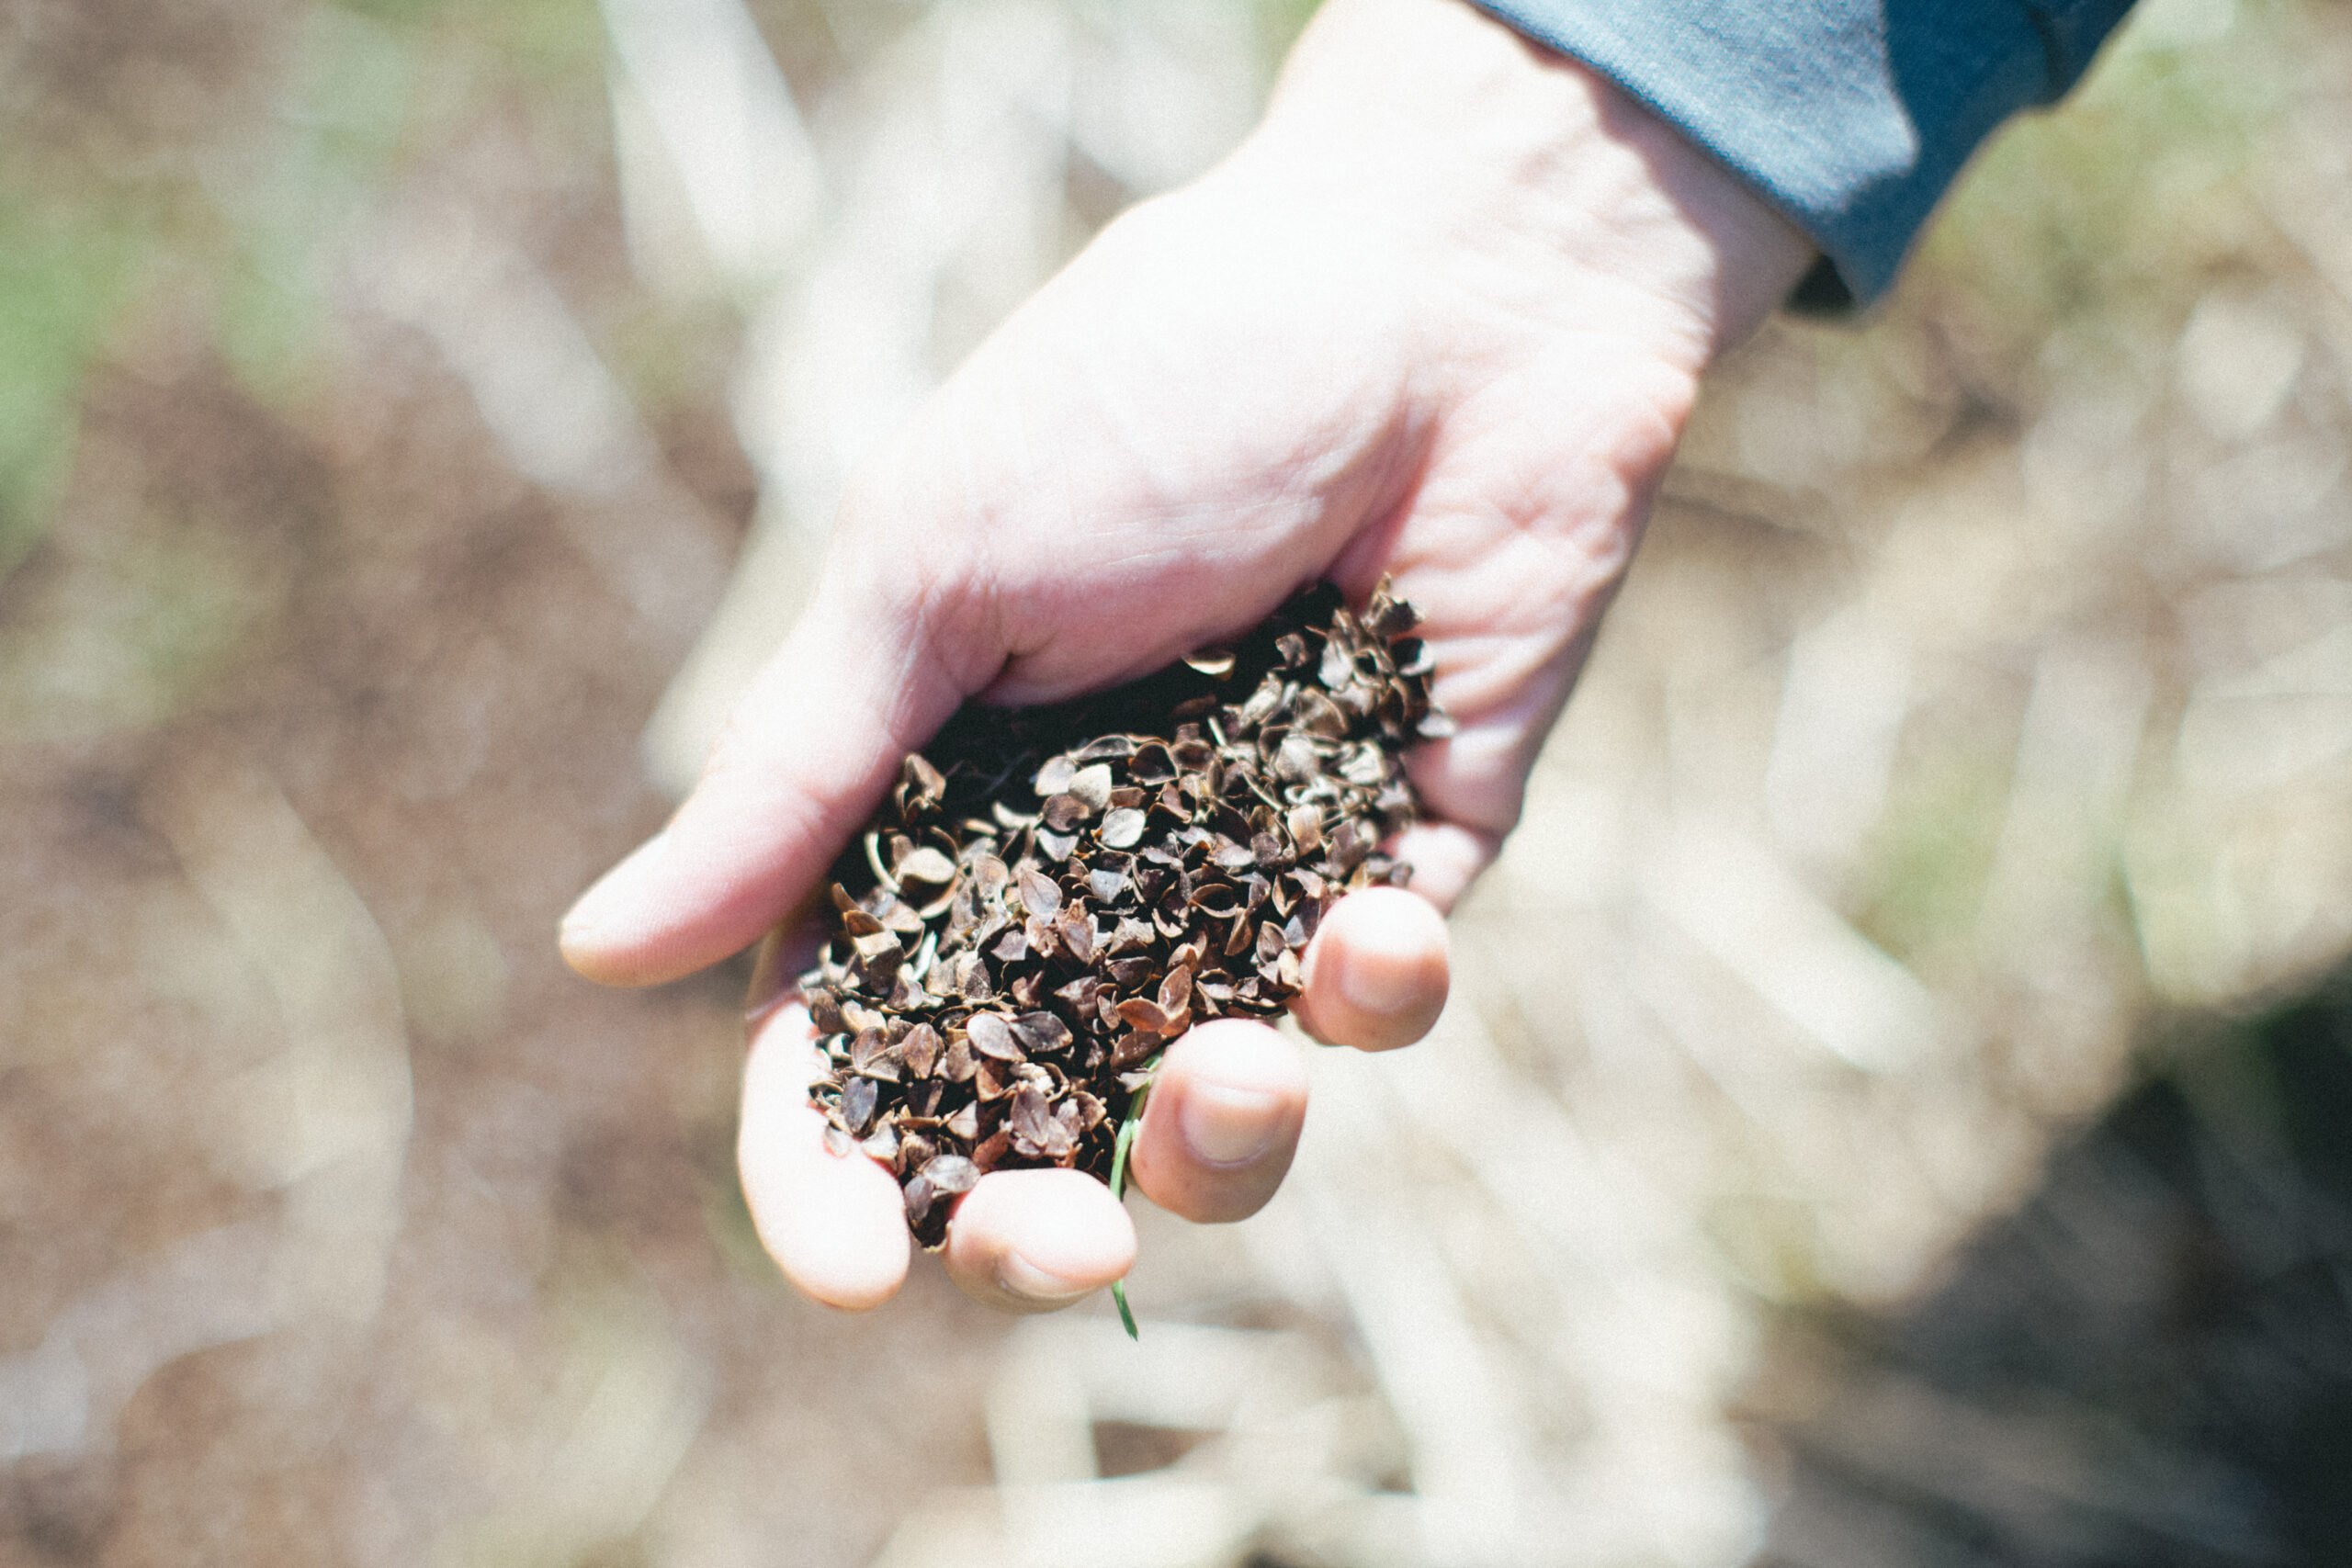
{"type": "Point", "coordinates": [1520, 174]}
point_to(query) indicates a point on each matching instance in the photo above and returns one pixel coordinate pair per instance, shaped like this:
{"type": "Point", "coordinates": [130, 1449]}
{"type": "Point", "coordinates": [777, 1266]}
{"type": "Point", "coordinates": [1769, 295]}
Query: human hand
{"type": "Point", "coordinates": [1227, 1103]}
{"type": "Point", "coordinates": [1442, 317]}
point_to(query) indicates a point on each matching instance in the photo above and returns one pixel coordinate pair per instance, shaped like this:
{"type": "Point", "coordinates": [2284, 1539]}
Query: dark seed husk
{"type": "Point", "coordinates": [1070, 888]}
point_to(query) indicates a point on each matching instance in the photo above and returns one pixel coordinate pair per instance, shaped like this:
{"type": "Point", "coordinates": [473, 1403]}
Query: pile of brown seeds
{"type": "Point", "coordinates": [1056, 892]}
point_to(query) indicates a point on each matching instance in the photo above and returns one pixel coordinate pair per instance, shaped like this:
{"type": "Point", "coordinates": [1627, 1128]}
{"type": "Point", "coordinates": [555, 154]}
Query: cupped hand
{"type": "Point", "coordinates": [1441, 317]}
{"type": "Point", "coordinates": [1218, 1131]}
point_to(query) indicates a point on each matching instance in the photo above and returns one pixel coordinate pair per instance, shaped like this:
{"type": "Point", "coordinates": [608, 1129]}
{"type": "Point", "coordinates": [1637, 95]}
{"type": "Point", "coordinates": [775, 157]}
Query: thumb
{"type": "Point", "coordinates": [815, 741]}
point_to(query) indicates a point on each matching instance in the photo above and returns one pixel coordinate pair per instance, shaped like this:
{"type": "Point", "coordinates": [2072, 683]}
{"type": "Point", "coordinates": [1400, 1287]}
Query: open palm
{"type": "Point", "coordinates": [1442, 318]}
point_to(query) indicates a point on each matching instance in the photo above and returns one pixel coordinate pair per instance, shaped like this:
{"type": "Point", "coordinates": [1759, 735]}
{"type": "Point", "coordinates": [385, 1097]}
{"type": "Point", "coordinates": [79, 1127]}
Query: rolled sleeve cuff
{"type": "Point", "coordinates": [1853, 115]}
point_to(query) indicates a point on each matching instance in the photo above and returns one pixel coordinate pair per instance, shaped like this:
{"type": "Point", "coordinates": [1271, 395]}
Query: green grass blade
{"type": "Point", "coordinates": [1119, 1151]}
{"type": "Point", "coordinates": [1119, 1295]}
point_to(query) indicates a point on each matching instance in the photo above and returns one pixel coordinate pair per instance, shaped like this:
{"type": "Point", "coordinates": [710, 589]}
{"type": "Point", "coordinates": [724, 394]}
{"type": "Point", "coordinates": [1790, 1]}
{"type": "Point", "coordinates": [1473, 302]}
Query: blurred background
{"type": "Point", "coordinates": [1896, 1107]}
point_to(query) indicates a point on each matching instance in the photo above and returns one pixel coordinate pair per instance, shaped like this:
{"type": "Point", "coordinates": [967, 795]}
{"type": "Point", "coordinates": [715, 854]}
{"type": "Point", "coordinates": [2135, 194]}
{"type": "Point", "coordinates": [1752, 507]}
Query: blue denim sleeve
{"type": "Point", "coordinates": [1852, 114]}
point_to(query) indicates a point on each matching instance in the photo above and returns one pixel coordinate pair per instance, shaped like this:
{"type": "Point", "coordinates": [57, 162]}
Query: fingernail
{"type": "Point", "coordinates": [1025, 1279]}
{"type": "Point", "coordinates": [1227, 1126]}
{"type": "Point", "coordinates": [1376, 982]}
{"type": "Point", "coordinates": [615, 893]}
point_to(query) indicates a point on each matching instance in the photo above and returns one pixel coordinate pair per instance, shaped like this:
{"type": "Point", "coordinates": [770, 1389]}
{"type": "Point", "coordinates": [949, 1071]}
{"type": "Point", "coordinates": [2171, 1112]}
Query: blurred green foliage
{"type": "Point", "coordinates": [1924, 864]}
{"type": "Point", "coordinates": [338, 125]}
{"type": "Point", "coordinates": [239, 218]}
{"type": "Point", "coordinates": [2088, 217]}
{"type": "Point", "coordinates": [64, 276]}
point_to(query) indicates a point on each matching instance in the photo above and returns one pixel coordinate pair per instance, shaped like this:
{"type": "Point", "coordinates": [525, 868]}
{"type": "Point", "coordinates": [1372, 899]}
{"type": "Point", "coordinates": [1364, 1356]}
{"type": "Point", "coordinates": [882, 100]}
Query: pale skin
{"type": "Point", "coordinates": [1442, 316]}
